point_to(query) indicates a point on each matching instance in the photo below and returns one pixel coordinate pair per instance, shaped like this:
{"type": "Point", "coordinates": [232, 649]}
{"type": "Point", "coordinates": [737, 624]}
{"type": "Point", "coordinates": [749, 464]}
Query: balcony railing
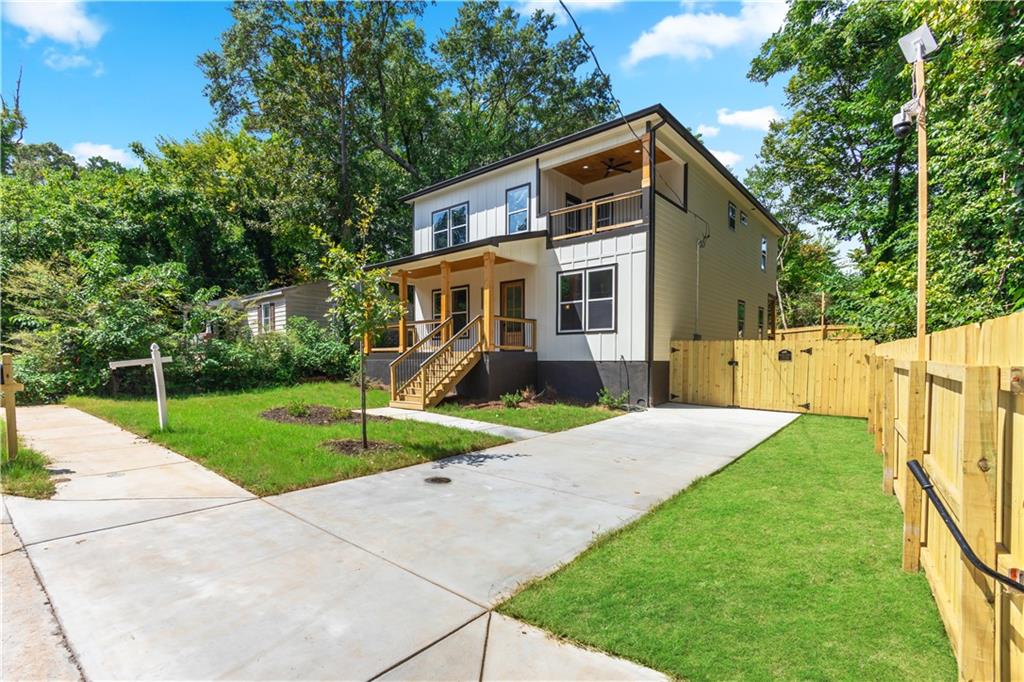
{"type": "Point", "coordinates": [599, 215]}
{"type": "Point", "coordinates": [514, 333]}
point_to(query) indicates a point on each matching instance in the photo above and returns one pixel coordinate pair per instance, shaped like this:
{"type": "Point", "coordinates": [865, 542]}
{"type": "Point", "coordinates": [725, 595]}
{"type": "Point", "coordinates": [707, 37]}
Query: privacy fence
{"type": "Point", "coordinates": [959, 413]}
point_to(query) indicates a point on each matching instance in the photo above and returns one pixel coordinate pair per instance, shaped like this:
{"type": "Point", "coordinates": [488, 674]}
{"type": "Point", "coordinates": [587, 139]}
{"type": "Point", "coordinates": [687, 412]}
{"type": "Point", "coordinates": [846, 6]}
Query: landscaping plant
{"type": "Point", "coordinates": [612, 400]}
{"type": "Point", "coordinates": [511, 400]}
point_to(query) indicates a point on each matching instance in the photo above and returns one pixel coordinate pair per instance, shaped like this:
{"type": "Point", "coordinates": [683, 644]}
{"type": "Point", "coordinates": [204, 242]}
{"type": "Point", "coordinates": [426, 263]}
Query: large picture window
{"type": "Point", "coordinates": [517, 207]}
{"type": "Point", "coordinates": [450, 226]}
{"type": "Point", "coordinates": [586, 300]}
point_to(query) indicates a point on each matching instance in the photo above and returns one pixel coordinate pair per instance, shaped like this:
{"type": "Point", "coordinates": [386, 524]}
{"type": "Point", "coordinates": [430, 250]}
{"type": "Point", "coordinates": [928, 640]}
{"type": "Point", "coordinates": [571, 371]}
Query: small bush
{"type": "Point", "coordinates": [511, 400]}
{"type": "Point", "coordinates": [341, 413]}
{"type": "Point", "coordinates": [529, 394]}
{"type": "Point", "coordinates": [297, 408]}
{"type": "Point", "coordinates": [611, 400]}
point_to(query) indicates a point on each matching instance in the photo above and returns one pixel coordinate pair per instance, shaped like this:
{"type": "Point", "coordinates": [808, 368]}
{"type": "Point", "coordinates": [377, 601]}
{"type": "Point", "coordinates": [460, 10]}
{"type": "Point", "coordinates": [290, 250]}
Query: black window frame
{"type": "Point", "coordinates": [764, 254]}
{"type": "Point", "coordinates": [448, 230]}
{"type": "Point", "coordinates": [508, 214]}
{"type": "Point", "coordinates": [741, 318]}
{"type": "Point", "coordinates": [760, 322]}
{"type": "Point", "coordinates": [731, 214]}
{"type": "Point", "coordinates": [437, 316]}
{"type": "Point", "coordinates": [585, 272]}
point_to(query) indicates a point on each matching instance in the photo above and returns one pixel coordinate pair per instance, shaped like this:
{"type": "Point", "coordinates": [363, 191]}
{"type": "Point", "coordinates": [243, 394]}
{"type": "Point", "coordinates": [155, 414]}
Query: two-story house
{"type": "Point", "coordinates": [572, 266]}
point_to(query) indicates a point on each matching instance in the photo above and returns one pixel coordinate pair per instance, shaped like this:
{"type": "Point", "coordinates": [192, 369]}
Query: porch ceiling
{"type": "Point", "coordinates": [520, 251]}
{"type": "Point", "coordinates": [608, 162]}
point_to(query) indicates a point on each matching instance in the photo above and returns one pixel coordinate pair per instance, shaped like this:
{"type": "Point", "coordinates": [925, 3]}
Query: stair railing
{"type": "Point", "coordinates": [439, 366]}
{"type": "Point", "coordinates": [406, 366]}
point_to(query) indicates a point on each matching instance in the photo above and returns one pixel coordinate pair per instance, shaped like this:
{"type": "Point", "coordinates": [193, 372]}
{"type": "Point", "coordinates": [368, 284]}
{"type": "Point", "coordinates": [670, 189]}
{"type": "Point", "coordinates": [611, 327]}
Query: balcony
{"type": "Point", "coordinates": [594, 217]}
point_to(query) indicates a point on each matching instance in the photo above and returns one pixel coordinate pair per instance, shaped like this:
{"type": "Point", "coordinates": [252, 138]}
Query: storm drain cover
{"type": "Point", "coordinates": [438, 479]}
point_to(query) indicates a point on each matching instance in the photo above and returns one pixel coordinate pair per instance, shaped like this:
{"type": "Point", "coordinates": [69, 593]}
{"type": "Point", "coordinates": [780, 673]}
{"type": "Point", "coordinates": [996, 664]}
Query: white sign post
{"type": "Point", "coordinates": [157, 361]}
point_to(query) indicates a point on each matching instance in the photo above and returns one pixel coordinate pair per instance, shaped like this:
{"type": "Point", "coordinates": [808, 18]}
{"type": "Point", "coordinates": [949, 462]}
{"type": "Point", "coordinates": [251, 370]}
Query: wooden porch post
{"type": "Point", "coordinates": [645, 172]}
{"type": "Point", "coordinates": [403, 296]}
{"type": "Point", "coordinates": [446, 294]}
{"type": "Point", "coordinates": [489, 301]}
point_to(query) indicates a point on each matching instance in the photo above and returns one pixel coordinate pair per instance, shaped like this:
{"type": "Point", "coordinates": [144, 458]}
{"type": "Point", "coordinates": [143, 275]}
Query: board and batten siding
{"type": "Point", "coordinates": [486, 198]}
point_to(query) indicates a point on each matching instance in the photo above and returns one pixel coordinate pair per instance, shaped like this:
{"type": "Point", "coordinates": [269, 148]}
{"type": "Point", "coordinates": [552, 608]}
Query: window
{"type": "Point", "coordinates": [741, 318]}
{"type": "Point", "coordinates": [743, 218]}
{"type": "Point", "coordinates": [760, 322]}
{"type": "Point", "coordinates": [517, 208]}
{"type": "Point", "coordinates": [586, 300]}
{"type": "Point", "coordinates": [764, 254]}
{"type": "Point", "coordinates": [459, 306]}
{"type": "Point", "coordinates": [266, 317]}
{"type": "Point", "coordinates": [732, 216]}
{"type": "Point", "coordinates": [450, 226]}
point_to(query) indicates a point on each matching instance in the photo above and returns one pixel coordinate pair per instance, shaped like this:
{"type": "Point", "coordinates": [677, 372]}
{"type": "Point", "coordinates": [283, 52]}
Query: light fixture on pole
{"type": "Point", "coordinates": [916, 45]}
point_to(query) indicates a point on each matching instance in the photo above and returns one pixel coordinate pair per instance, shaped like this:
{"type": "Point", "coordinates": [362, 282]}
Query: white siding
{"type": "Point", "coordinates": [309, 301]}
{"type": "Point", "coordinates": [486, 198]}
{"type": "Point", "coordinates": [280, 313]}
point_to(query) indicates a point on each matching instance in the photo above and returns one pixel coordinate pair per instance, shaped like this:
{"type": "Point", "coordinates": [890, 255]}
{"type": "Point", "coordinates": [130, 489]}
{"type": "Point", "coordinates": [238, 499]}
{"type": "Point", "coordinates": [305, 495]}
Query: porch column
{"type": "Point", "coordinates": [403, 297]}
{"type": "Point", "coordinates": [446, 294]}
{"type": "Point", "coordinates": [645, 171]}
{"type": "Point", "coordinates": [489, 301]}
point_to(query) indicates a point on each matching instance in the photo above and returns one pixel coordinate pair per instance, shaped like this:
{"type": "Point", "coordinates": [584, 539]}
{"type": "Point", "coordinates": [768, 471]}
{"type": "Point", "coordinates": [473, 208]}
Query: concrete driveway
{"type": "Point", "coordinates": [387, 575]}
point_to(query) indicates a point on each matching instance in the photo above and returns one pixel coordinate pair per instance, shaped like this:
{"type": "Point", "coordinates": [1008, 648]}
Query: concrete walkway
{"type": "Point", "coordinates": [386, 575]}
{"type": "Point", "coordinates": [510, 432]}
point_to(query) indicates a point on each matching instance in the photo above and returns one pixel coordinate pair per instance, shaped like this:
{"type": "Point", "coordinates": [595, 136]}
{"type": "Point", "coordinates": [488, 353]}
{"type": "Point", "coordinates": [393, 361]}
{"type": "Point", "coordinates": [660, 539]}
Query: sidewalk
{"type": "Point", "coordinates": [511, 432]}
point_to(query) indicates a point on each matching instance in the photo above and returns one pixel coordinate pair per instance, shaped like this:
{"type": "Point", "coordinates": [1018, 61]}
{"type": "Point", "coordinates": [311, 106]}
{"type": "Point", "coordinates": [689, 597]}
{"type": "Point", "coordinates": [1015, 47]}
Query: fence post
{"type": "Point", "coordinates": [877, 401]}
{"type": "Point", "coordinates": [871, 394]}
{"type": "Point", "coordinates": [979, 452]}
{"type": "Point", "coordinates": [10, 387]}
{"type": "Point", "coordinates": [888, 427]}
{"type": "Point", "coordinates": [917, 421]}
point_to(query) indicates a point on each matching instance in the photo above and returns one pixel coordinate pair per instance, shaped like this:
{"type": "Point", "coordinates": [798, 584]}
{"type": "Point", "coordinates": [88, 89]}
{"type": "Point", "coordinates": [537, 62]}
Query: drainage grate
{"type": "Point", "coordinates": [438, 479]}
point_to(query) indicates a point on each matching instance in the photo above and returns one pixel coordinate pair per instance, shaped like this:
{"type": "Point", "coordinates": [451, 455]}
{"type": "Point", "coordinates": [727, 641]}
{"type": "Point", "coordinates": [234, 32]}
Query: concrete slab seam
{"type": "Point", "coordinates": [437, 641]}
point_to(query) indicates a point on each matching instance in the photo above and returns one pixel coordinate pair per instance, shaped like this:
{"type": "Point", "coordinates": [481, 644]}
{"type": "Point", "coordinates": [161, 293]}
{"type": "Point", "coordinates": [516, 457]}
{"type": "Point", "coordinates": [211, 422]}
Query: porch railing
{"type": "Point", "coordinates": [406, 366]}
{"type": "Point", "coordinates": [514, 333]}
{"type": "Point", "coordinates": [387, 341]}
{"type": "Point", "coordinates": [439, 367]}
{"type": "Point", "coordinates": [599, 215]}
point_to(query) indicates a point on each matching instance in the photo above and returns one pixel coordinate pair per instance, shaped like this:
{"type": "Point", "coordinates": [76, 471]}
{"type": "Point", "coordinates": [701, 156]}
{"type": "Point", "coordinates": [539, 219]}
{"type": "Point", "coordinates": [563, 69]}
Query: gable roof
{"type": "Point", "coordinates": [656, 109]}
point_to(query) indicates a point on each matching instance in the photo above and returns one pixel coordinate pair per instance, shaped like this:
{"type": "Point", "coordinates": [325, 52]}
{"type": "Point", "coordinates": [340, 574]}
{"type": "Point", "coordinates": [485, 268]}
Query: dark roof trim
{"type": "Point", "coordinates": [594, 130]}
{"type": "Point", "coordinates": [490, 241]}
{"type": "Point", "coordinates": [656, 109]}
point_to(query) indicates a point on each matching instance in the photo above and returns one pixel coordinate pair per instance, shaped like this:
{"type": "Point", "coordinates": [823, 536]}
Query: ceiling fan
{"type": "Point", "coordinates": [620, 167]}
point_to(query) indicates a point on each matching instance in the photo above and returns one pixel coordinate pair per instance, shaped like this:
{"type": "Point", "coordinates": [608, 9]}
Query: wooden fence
{"type": "Point", "coordinates": [813, 332]}
{"type": "Point", "coordinates": [823, 377]}
{"type": "Point", "coordinates": [960, 413]}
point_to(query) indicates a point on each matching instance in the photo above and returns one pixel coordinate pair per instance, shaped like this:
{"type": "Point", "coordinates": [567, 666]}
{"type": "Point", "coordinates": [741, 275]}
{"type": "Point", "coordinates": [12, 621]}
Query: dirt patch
{"type": "Point", "coordinates": [354, 448]}
{"type": "Point", "coordinates": [318, 415]}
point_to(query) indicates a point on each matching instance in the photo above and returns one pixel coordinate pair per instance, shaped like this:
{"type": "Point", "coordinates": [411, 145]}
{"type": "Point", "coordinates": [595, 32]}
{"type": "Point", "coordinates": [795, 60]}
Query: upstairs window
{"type": "Point", "coordinates": [517, 208]}
{"type": "Point", "coordinates": [732, 216]}
{"type": "Point", "coordinates": [764, 254]}
{"type": "Point", "coordinates": [450, 226]}
{"type": "Point", "coordinates": [743, 218]}
{"type": "Point", "coordinates": [586, 300]}
{"type": "Point", "coordinates": [741, 318]}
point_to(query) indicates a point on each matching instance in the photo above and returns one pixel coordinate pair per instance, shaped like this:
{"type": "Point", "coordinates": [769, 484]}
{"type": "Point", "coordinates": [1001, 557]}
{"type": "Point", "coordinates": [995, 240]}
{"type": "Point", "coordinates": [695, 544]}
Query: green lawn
{"type": "Point", "coordinates": [549, 417]}
{"type": "Point", "coordinates": [784, 565]}
{"type": "Point", "coordinates": [226, 433]}
{"type": "Point", "coordinates": [26, 476]}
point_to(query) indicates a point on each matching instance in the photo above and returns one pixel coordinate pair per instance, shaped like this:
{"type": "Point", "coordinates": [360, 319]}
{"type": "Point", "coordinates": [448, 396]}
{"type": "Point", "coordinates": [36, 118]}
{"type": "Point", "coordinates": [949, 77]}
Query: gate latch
{"type": "Point", "coordinates": [806, 406]}
{"type": "Point", "coordinates": [734, 363]}
{"type": "Point", "coordinates": [809, 351]}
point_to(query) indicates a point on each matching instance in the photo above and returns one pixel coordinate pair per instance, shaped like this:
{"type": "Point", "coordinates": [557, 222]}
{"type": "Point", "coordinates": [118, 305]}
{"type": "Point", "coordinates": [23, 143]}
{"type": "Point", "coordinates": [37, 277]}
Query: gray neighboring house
{"type": "Point", "coordinates": [269, 311]}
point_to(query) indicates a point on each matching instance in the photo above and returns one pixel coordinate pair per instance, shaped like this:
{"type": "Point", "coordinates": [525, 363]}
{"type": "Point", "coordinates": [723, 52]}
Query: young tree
{"type": "Point", "coordinates": [362, 300]}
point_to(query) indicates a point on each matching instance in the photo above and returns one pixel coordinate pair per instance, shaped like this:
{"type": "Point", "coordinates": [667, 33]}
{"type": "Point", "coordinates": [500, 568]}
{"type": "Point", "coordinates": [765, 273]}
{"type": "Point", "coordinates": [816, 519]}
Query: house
{"type": "Point", "coordinates": [269, 311]}
{"type": "Point", "coordinates": [573, 266]}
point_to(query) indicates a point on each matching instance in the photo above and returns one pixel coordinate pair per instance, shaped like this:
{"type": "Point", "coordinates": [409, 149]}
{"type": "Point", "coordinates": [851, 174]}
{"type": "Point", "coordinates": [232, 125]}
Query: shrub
{"type": "Point", "coordinates": [298, 408]}
{"type": "Point", "coordinates": [340, 413]}
{"type": "Point", "coordinates": [611, 400]}
{"type": "Point", "coordinates": [511, 400]}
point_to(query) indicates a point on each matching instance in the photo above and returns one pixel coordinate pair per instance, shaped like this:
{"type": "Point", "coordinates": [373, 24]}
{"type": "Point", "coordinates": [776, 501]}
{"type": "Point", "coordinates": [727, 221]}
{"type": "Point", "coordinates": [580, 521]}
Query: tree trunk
{"type": "Point", "coordinates": [362, 393]}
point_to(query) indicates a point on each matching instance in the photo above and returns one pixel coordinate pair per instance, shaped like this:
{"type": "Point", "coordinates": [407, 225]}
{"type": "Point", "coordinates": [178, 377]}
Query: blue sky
{"type": "Point", "coordinates": [98, 76]}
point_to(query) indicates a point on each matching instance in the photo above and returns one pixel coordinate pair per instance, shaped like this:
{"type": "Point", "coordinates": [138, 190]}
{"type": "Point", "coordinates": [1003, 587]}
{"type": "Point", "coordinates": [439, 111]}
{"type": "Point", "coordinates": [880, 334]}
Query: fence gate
{"type": "Point", "coordinates": [822, 377]}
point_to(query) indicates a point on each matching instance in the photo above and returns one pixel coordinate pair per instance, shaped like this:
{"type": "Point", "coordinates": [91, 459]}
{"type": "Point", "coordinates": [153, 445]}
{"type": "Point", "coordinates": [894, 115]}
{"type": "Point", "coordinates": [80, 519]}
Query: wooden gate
{"type": "Point", "coordinates": [821, 377]}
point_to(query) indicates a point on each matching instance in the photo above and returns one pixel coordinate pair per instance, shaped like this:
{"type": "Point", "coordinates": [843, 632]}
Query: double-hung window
{"type": "Point", "coordinates": [266, 317]}
{"type": "Point", "coordinates": [450, 226]}
{"type": "Point", "coordinates": [764, 254]}
{"type": "Point", "coordinates": [517, 208]}
{"type": "Point", "coordinates": [586, 300]}
{"type": "Point", "coordinates": [741, 318]}
{"type": "Point", "coordinates": [732, 216]}
{"type": "Point", "coordinates": [743, 218]}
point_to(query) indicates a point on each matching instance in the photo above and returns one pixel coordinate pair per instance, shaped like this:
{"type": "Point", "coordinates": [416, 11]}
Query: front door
{"type": "Point", "coordinates": [513, 304]}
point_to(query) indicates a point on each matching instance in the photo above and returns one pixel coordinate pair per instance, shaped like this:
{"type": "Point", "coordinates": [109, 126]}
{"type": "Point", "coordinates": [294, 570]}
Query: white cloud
{"type": "Point", "coordinates": [697, 34]}
{"type": "Point", "coordinates": [707, 131]}
{"type": "Point", "coordinates": [64, 22]}
{"type": "Point", "coordinates": [727, 158]}
{"type": "Point", "coordinates": [83, 151]}
{"type": "Point", "coordinates": [59, 61]}
{"type": "Point", "coordinates": [528, 7]}
{"type": "Point", "coordinates": [754, 119]}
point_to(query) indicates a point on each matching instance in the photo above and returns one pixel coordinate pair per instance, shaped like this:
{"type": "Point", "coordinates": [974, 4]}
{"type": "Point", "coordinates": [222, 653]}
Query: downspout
{"type": "Point", "coordinates": [650, 257]}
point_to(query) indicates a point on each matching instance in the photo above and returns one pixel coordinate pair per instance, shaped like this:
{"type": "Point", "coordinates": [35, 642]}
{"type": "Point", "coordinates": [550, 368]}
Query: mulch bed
{"type": "Point", "coordinates": [318, 415]}
{"type": "Point", "coordinates": [354, 448]}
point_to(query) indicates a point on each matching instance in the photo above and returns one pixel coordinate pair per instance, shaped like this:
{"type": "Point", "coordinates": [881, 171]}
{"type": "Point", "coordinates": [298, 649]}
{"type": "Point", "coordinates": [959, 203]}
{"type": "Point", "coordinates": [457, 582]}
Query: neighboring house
{"type": "Point", "coordinates": [574, 264]}
{"type": "Point", "coordinates": [269, 311]}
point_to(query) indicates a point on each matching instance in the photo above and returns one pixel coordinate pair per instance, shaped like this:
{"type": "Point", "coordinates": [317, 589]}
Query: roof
{"type": "Point", "coordinates": [656, 109]}
{"type": "Point", "coordinates": [269, 293]}
{"type": "Point", "coordinates": [487, 241]}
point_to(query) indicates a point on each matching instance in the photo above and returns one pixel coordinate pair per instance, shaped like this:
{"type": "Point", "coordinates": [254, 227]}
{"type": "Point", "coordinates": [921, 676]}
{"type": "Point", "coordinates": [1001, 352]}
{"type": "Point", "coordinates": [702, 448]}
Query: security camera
{"type": "Point", "coordinates": [902, 123]}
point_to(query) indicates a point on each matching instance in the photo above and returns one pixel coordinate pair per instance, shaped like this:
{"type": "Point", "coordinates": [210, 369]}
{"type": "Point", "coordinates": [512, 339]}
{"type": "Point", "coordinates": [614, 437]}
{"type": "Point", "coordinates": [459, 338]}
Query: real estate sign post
{"type": "Point", "coordinates": [157, 361]}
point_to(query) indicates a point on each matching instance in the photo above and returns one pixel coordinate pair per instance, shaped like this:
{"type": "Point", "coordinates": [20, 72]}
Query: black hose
{"type": "Point", "coordinates": [929, 490]}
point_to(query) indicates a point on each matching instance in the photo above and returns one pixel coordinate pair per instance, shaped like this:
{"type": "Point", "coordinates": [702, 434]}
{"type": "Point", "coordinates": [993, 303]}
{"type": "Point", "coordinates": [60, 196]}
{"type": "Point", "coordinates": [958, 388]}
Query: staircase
{"type": "Point", "coordinates": [430, 369]}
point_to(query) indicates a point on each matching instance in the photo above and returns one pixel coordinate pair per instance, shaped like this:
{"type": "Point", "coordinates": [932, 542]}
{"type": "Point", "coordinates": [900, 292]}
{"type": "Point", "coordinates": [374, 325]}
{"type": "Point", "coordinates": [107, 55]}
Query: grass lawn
{"type": "Point", "coordinates": [784, 565]}
{"type": "Point", "coordinates": [26, 476]}
{"type": "Point", "coordinates": [226, 433]}
{"type": "Point", "coordinates": [549, 417]}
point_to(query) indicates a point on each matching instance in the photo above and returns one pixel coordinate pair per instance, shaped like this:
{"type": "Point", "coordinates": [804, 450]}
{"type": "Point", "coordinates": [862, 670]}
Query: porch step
{"type": "Point", "coordinates": [442, 381]}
